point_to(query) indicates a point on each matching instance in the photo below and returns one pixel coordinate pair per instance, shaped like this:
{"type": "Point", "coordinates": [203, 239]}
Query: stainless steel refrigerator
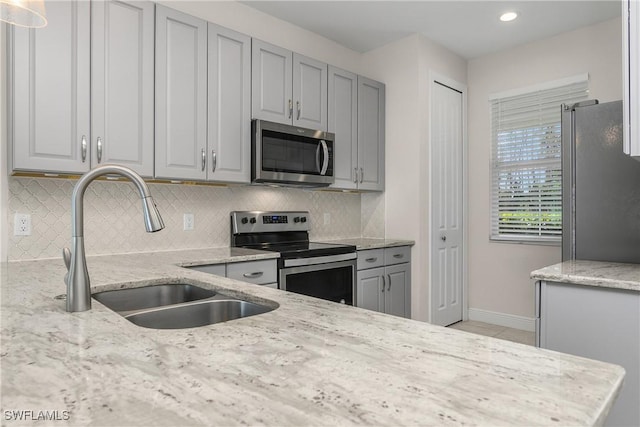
{"type": "Point", "coordinates": [600, 186]}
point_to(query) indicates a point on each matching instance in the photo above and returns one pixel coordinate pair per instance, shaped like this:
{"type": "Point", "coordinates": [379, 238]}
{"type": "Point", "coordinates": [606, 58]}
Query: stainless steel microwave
{"type": "Point", "coordinates": [290, 155]}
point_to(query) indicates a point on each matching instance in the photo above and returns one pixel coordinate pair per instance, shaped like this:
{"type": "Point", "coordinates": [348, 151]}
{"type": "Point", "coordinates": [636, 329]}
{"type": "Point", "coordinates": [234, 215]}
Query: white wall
{"type": "Point", "coordinates": [404, 67]}
{"type": "Point", "coordinates": [499, 272]}
{"type": "Point", "coordinates": [4, 231]}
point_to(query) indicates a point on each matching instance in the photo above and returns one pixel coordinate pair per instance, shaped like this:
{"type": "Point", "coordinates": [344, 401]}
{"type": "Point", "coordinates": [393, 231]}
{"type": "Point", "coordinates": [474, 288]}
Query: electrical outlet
{"type": "Point", "coordinates": [188, 221]}
{"type": "Point", "coordinates": [22, 225]}
{"type": "Point", "coordinates": [327, 218]}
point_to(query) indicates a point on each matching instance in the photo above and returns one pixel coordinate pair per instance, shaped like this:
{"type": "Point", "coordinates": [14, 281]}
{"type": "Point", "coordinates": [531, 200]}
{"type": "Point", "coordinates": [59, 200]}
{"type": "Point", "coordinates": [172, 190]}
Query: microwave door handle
{"type": "Point", "coordinates": [325, 151]}
{"type": "Point", "coordinates": [318, 168]}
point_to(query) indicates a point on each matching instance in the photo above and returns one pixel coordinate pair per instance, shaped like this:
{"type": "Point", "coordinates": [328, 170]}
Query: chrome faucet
{"type": "Point", "coordinates": [77, 277]}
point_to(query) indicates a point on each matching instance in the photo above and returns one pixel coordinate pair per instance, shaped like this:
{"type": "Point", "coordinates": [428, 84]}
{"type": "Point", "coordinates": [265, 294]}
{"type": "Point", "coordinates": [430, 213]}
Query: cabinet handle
{"type": "Point", "coordinates": [83, 148]}
{"type": "Point", "coordinates": [383, 283]}
{"type": "Point", "coordinates": [389, 288]}
{"type": "Point", "coordinates": [290, 108]}
{"type": "Point", "coordinates": [214, 160]}
{"type": "Point", "coordinates": [298, 108]}
{"type": "Point", "coordinates": [398, 256]}
{"type": "Point", "coordinates": [361, 175]}
{"type": "Point", "coordinates": [204, 159]}
{"type": "Point", "coordinates": [372, 259]}
{"type": "Point", "coordinates": [355, 175]}
{"type": "Point", "coordinates": [99, 150]}
{"type": "Point", "coordinates": [253, 275]}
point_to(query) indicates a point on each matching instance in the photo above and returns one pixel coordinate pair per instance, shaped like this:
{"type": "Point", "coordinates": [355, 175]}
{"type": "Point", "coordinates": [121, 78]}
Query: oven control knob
{"type": "Point", "coordinates": [244, 220]}
{"type": "Point", "coordinates": [296, 219]}
{"type": "Point", "coordinates": [252, 220]}
{"type": "Point", "coordinates": [303, 219]}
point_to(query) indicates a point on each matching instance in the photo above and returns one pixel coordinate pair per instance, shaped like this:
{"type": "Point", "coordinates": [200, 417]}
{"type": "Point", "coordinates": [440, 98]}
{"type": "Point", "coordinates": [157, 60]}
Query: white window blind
{"type": "Point", "coordinates": [526, 202]}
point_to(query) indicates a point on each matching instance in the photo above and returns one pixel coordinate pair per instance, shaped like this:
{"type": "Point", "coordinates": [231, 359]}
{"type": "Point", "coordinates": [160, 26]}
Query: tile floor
{"type": "Point", "coordinates": [502, 332]}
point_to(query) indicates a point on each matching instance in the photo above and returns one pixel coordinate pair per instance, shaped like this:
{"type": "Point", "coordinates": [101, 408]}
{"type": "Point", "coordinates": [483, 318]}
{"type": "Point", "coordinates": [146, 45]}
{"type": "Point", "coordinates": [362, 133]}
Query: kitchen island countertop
{"type": "Point", "coordinates": [592, 273]}
{"type": "Point", "coordinates": [308, 362]}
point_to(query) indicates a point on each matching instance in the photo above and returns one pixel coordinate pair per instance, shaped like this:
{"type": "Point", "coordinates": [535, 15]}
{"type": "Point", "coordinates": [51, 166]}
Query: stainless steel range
{"type": "Point", "coordinates": [320, 270]}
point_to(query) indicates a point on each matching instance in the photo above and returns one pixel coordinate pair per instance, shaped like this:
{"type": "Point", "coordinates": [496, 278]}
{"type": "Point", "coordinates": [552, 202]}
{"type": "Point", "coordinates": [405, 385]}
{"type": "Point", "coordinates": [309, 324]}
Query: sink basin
{"type": "Point", "coordinates": [151, 296]}
{"type": "Point", "coordinates": [197, 314]}
{"type": "Point", "coordinates": [177, 306]}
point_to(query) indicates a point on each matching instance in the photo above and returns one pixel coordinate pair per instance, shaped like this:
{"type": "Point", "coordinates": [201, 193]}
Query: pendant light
{"type": "Point", "coordinates": [23, 13]}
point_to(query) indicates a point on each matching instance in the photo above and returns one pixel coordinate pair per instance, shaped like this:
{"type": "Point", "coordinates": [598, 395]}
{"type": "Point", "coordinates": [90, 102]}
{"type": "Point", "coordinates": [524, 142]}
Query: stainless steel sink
{"type": "Point", "coordinates": [151, 296]}
{"type": "Point", "coordinates": [178, 306]}
{"type": "Point", "coordinates": [197, 314]}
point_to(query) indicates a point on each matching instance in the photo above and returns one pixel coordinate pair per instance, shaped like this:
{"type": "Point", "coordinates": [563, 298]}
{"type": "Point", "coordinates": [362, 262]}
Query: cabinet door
{"type": "Point", "coordinates": [181, 95]}
{"type": "Point", "coordinates": [343, 122]}
{"type": "Point", "coordinates": [631, 53]}
{"type": "Point", "coordinates": [309, 93]}
{"type": "Point", "coordinates": [369, 293]}
{"type": "Point", "coordinates": [599, 323]}
{"type": "Point", "coordinates": [122, 75]}
{"type": "Point", "coordinates": [397, 297]}
{"type": "Point", "coordinates": [49, 92]}
{"type": "Point", "coordinates": [229, 105]}
{"type": "Point", "coordinates": [271, 83]}
{"type": "Point", "coordinates": [371, 128]}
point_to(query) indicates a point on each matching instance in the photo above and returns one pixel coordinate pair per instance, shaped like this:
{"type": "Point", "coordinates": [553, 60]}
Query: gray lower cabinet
{"type": "Point", "coordinates": [384, 280]}
{"type": "Point", "coordinates": [262, 272]}
{"type": "Point", "coordinates": [93, 57]}
{"type": "Point", "coordinates": [287, 87]}
{"type": "Point", "coordinates": [598, 323]}
{"type": "Point", "coordinates": [356, 117]}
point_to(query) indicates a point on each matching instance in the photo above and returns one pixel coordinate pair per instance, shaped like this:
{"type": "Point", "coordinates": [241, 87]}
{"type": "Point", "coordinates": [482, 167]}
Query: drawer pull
{"type": "Point", "coordinates": [398, 256]}
{"type": "Point", "coordinates": [373, 259]}
{"type": "Point", "coordinates": [253, 275]}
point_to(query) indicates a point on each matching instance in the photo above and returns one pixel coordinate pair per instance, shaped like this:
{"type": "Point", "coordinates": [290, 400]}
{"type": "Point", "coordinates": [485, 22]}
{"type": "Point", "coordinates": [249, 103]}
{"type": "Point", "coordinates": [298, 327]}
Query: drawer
{"type": "Point", "coordinates": [370, 258]}
{"type": "Point", "coordinates": [397, 255]}
{"type": "Point", "coordinates": [217, 269]}
{"type": "Point", "coordinates": [258, 272]}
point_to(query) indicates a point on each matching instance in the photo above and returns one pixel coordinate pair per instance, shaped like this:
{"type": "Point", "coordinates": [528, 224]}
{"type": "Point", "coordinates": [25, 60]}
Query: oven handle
{"type": "Point", "coordinates": [297, 262]}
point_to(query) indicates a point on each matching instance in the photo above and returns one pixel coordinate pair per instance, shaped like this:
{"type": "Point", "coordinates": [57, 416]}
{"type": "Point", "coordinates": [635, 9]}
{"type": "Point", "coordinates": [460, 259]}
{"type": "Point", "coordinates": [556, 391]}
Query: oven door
{"type": "Point", "coordinates": [291, 155]}
{"type": "Point", "coordinates": [332, 281]}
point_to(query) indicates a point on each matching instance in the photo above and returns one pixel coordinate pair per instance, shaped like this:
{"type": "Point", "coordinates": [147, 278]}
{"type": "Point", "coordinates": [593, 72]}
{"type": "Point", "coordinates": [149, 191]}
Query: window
{"type": "Point", "coordinates": [526, 199]}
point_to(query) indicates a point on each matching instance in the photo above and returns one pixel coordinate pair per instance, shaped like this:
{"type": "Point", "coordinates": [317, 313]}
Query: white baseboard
{"type": "Point", "coordinates": [503, 319]}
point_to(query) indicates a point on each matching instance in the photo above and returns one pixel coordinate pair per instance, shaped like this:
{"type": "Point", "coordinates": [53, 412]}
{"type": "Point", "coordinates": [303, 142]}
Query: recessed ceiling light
{"type": "Point", "coordinates": [508, 16]}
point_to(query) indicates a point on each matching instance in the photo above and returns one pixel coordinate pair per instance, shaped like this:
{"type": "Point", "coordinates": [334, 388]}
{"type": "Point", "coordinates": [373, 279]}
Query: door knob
{"type": "Point", "coordinates": [443, 238]}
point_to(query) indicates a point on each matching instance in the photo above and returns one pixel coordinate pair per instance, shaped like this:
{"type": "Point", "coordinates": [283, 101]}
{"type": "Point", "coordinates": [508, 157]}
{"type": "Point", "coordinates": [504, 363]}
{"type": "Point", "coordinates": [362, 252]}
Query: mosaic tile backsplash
{"type": "Point", "coordinates": [113, 221]}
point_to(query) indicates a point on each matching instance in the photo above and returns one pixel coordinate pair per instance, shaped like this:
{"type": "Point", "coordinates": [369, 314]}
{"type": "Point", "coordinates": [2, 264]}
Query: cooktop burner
{"type": "Point", "coordinates": [306, 249]}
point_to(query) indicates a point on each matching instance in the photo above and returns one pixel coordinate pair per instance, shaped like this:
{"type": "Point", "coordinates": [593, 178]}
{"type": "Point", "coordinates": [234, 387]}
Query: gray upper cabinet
{"type": "Point", "coordinates": [92, 57]}
{"type": "Point", "coordinates": [181, 96]}
{"type": "Point", "coordinates": [288, 88]}
{"type": "Point", "coordinates": [343, 122]}
{"type": "Point", "coordinates": [122, 92]}
{"type": "Point", "coordinates": [371, 138]}
{"type": "Point", "coordinates": [229, 82]}
{"type": "Point", "coordinates": [309, 93]}
{"type": "Point", "coordinates": [356, 117]}
{"type": "Point", "coordinates": [271, 83]}
{"type": "Point", "coordinates": [49, 92]}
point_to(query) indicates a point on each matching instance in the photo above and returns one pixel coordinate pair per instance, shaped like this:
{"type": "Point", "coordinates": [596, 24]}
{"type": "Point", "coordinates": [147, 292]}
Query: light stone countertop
{"type": "Point", "coordinates": [592, 273]}
{"type": "Point", "coordinates": [308, 362]}
{"type": "Point", "coordinates": [364, 243]}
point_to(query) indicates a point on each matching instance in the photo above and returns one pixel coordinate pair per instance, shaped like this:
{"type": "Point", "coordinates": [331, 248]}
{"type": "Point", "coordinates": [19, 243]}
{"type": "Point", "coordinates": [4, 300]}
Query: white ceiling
{"type": "Point", "coordinates": [468, 28]}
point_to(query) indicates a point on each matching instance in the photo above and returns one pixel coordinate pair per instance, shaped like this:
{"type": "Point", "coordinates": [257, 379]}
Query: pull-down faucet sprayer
{"type": "Point", "coordinates": [77, 278]}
